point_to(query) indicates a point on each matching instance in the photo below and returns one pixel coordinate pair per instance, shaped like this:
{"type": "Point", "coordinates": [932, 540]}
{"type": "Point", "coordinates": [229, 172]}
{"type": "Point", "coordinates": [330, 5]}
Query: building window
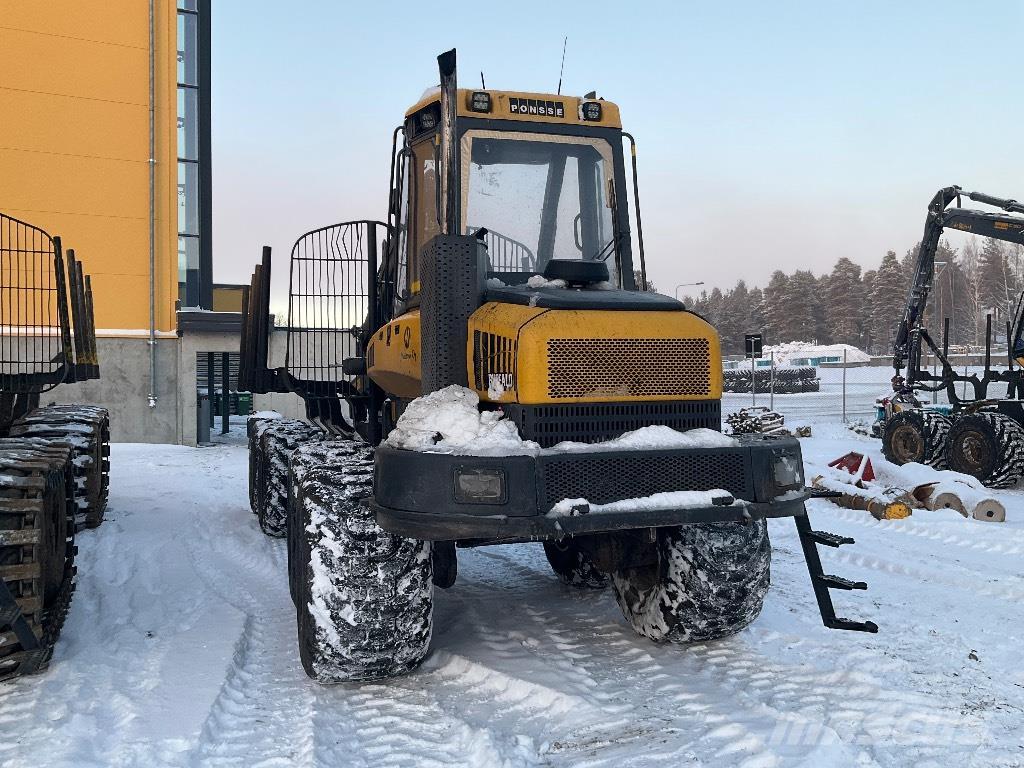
{"type": "Point", "coordinates": [194, 258]}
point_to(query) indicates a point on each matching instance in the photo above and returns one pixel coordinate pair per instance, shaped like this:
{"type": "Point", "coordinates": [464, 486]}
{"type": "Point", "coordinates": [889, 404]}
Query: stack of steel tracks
{"type": "Point", "coordinates": [54, 460]}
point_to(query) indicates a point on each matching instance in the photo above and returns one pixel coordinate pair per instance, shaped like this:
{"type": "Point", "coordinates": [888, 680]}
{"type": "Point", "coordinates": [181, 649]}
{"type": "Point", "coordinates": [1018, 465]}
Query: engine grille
{"type": "Point", "coordinates": [594, 422]}
{"type": "Point", "coordinates": [628, 367]}
{"type": "Point", "coordinates": [493, 354]}
{"type": "Point", "coordinates": [603, 479]}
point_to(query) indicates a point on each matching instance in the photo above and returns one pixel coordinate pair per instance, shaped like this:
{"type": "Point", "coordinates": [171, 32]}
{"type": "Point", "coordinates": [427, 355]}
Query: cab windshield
{"type": "Point", "coordinates": [540, 197]}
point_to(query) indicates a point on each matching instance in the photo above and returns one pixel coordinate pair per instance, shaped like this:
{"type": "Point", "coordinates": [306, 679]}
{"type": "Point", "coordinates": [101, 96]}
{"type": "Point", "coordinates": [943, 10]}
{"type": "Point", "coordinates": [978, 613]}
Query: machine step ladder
{"type": "Point", "coordinates": [823, 582]}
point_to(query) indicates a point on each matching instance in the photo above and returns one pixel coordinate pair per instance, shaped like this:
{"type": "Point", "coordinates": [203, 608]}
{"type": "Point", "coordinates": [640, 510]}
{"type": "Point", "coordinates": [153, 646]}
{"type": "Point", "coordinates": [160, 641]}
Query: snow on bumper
{"type": "Point", "coordinates": [443, 496]}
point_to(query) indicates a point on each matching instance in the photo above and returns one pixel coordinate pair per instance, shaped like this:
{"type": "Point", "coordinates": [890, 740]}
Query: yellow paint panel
{"type": "Point", "coordinates": [623, 335]}
{"type": "Point", "coordinates": [395, 355]}
{"type": "Point", "coordinates": [227, 299]}
{"type": "Point", "coordinates": [489, 325]}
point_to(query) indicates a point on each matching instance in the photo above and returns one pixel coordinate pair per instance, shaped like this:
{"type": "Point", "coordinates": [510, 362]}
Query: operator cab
{"type": "Point", "coordinates": [541, 182]}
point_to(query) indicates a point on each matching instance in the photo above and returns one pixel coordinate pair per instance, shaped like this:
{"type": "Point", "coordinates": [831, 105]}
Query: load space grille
{"type": "Point", "coordinates": [579, 368]}
{"type": "Point", "coordinates": [329, 301]}
{"type": "Point", "coordinates": [595, 422]}
{"type": "Point", "coordinates": [32, 331]}
{"type": "Point", "coordinates": [603, 479]}
{"type": "Point", "coordinates": [493, 354]}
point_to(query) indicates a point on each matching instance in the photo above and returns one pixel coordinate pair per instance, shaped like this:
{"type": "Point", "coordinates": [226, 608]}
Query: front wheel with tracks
{"type": "Point", "coordinates": [916, 435]}
{"type": "Point", "coordinates": [709, 581]}
{"type": "Point", "coordinates": [988, 446]}
{"type": "Point", "coordinates": [364, 596]}
{"type": "Point", "coordinates": [277, 441]}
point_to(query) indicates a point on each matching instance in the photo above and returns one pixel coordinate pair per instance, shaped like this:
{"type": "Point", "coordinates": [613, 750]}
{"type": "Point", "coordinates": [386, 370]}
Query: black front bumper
{"type": "Point", "coordinates": [415, 492]}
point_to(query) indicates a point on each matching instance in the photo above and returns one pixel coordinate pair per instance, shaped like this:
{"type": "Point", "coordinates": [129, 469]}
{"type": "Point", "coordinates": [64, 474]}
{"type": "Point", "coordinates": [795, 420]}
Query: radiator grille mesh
{"type": "Point", "coordinates": [628, 367]}
{"type": "Point", "coordinates": [603, 479]}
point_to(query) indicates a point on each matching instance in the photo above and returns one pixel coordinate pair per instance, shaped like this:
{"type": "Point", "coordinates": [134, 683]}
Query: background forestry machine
{"type": "Point", "coordinates": [505, 275]}
{"type": "Point", "coordinates": [983, 436]}
{"type": "Point", "coordinates": [53, 459]}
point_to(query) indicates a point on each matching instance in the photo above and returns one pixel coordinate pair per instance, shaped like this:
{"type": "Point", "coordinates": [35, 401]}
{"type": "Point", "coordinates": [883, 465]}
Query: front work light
{"type": "Point", "coordinates": [480, 485]}
{"type": "Point", "coordinates": [480, 101]}
{"type": "Point", "coordinates": [789, 471]}
{"type": "Point", "coordinates": [591, 110]}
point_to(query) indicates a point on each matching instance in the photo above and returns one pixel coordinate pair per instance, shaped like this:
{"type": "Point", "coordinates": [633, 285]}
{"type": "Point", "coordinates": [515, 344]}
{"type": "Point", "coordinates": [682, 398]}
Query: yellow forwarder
{"type": "Point", "coordinates": [505, 269]}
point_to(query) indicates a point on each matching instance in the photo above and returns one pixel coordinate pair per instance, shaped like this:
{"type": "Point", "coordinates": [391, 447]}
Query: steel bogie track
{"type": "Point", "coordinates": [36, 551]}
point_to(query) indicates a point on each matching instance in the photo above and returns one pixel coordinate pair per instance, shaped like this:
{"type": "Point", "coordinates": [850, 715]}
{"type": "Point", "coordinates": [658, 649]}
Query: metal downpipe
{"type": "Point", "coordinates": [152, 208]}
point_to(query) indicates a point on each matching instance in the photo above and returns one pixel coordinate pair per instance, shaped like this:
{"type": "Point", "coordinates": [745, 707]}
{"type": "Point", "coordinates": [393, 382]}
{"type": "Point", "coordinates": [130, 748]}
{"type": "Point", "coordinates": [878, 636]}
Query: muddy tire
{"type": "Point", "coordinates": [709, 582]}
{"type": "Point", "coordinates": [277, 441]}
{"type": "Point", "coordinates": [988, 446]}
{"type": "Point", "coordinates": [916, 435]}
{"type": "Point", "coordinates": [573, 566]}
{"type": "Point", "coordinates": [365, 596]}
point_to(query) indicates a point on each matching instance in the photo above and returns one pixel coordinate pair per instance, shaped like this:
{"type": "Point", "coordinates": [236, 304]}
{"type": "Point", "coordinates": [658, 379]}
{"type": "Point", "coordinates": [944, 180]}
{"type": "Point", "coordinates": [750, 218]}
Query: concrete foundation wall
{"type": "Point", "coordinates": [123, 386]}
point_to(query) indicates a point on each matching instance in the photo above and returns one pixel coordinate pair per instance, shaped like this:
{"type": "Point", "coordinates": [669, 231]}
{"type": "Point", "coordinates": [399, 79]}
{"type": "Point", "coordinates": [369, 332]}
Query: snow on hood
{"type": "Point", "coordinates": [450, 421]}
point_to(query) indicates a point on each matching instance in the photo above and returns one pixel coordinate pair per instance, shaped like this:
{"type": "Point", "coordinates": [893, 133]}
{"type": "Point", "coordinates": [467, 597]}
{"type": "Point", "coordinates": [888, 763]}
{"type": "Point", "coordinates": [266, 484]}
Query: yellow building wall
{"type": "Point", "coordinates": [74, 143]}
{"type": "Point", "coordinates": [227, 299]}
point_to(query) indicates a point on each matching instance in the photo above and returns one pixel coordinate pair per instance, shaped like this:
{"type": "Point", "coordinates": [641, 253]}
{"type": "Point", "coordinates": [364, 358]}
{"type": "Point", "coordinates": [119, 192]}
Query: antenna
{"type": "Point", "coordinates": [483, 85]}
{"type": "Point", "coordinates": [562, 69]}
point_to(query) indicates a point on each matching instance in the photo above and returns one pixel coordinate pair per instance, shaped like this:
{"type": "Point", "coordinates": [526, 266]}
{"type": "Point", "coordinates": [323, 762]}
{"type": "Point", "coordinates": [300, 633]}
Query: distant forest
{"type": "Point", "coordinates": [862, 308]}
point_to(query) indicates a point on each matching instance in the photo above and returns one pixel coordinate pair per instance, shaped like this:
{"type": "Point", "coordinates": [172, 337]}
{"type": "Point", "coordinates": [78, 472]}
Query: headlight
{"type": "Point", "coordinates": [480, 485]}
{"type": "Point", "coordinates": [591, 110]}
{"type": "Point", "coordinates": [789, 471]}
{"type": "Point", "coordinates": [480, 101]}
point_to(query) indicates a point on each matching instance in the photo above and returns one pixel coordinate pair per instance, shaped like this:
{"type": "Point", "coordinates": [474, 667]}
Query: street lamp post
{"type": "Point", "coordinates": [686, 285]}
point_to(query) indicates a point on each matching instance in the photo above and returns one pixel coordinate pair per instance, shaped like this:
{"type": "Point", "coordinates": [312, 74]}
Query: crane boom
{"type": "Point", "coordinates": [940, 217]}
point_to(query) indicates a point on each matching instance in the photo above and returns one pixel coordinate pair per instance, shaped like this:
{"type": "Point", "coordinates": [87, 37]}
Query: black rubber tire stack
{"type": "Point", "coordinates": [988, 446]}
{"type": "Point", "coordinates": [916, 435]}
{"type": "Point", "coordinates": [709, 582]}
{"type": "Point", "coordinates": [86, 429]}
{"type": "Point", "coordinates": [37, 550]}
{"type": "Point", "coordinates": [277, 440]}
{"type": "Point", "coordinates": [364, 596]}
{"type": "Point", "coordinates": [788, 380]}
{"type": "Point", "coordinates": [573, 566]}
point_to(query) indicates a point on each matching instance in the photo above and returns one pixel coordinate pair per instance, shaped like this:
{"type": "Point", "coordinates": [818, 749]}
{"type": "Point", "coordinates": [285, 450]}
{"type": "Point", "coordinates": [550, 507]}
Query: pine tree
{"type": "Point", "coordinates": [888, 299]}
{"type": "Point", "coordinates": [845, 303]}
{"type": "Point", "coordinates": [774, 308]}
{"type": "Point", "coordinates": [867, 312]}
{"type": "Point", "coordinates": [996, 283]}
{"type": "Point", "coordinates": [802, 311]}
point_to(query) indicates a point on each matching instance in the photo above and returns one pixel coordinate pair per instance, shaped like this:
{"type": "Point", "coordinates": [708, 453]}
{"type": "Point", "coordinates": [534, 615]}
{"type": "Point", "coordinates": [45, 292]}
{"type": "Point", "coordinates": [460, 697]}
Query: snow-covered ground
{"type": "Point", "coordinates": [179, 651]}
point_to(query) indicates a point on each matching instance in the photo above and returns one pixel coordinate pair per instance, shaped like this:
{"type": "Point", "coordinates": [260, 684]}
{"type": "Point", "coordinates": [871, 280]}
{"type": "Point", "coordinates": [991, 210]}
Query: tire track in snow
{"type": "Point", "coordinates": [610, 663]}
{"type": "Point", "coordinates": [306, 723]}
{"type": "Point", "coordinates": [262, 715]}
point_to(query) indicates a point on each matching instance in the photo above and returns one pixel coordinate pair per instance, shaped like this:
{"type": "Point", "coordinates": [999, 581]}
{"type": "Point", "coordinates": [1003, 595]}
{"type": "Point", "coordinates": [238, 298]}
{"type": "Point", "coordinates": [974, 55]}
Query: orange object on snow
{"type": "Point", "coordinates": [857, 464]}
